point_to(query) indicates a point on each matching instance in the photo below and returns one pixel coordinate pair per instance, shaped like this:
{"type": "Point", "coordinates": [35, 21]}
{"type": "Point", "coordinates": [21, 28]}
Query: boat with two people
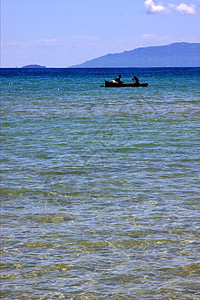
{"type": "Point", "coordinates": [118, 83]}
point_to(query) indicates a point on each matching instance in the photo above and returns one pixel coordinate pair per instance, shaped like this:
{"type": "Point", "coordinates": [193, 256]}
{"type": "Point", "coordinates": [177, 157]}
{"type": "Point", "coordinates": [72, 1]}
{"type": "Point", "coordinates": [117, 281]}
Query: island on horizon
{"type": "Point", "coordinates": [33, 67]}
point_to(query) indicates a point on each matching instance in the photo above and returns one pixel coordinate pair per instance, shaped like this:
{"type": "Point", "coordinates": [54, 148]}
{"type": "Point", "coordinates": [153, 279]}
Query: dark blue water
{"type": "Point", "coordinates": [100, 186]}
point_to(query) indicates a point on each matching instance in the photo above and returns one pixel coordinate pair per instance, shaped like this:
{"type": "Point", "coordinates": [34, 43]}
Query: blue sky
{"type": "Point", "coordinates": [60, 33]}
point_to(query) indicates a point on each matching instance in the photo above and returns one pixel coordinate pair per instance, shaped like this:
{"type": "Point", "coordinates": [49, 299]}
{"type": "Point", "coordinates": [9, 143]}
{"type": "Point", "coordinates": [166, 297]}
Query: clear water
{"type": "Point", "coordinates": [100, 186]}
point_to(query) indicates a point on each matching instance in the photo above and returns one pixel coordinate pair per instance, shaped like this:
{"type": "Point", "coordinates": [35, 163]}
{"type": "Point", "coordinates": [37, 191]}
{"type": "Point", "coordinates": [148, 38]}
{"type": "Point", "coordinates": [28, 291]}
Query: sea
{"type": "Point", "coordinates": [100, 186]}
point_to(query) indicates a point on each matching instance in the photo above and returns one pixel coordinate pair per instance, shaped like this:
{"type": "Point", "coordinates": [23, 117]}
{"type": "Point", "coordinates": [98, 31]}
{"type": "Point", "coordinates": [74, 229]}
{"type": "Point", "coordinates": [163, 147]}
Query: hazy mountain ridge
{"type": "Point", "coordinates": [173, 55]}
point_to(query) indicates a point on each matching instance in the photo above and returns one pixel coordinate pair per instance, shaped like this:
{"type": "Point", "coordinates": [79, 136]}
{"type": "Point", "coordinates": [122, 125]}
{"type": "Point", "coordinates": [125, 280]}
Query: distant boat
{"type": "Point", "coordinates": [113, 83]}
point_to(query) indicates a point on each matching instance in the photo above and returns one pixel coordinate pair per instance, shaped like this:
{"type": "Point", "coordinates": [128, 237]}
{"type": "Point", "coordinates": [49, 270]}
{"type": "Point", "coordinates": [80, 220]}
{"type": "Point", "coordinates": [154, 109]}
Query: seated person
{"type": "Point", "coordinates": [135, 79]}
{"type": "Point", "coordinates": [118, 79]}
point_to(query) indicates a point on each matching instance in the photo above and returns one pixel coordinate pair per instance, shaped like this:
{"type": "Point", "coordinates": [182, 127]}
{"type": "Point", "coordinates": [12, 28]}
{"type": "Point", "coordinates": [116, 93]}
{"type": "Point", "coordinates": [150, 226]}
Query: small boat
{"type": "Point", "coordinates": [113, 83]}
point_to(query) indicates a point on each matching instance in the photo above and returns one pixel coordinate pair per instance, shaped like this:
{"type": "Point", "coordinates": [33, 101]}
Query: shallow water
{"type": "Point", "coordinates": [100, 186]}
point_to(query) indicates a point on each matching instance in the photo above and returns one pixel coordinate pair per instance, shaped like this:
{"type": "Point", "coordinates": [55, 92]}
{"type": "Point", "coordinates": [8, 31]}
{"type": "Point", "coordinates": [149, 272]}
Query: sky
{"type": "Point", "coordinates": [61, 33]}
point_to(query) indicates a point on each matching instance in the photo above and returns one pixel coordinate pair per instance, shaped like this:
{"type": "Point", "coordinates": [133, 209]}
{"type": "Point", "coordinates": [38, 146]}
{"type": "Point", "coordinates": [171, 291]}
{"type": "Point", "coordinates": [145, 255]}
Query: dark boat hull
{"type": "Point", "coordinates": [115, 84]}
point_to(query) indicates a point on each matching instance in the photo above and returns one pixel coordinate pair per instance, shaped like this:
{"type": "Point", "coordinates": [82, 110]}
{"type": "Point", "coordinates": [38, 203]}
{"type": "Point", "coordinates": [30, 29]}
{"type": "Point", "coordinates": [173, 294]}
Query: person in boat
{"type": "Point", "coordinates": [118, 79]}
{"type": "Point", "coordinates": [135, 79]}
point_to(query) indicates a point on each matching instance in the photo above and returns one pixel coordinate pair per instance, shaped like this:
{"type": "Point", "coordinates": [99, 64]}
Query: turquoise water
{"type": "Point", "coordinates": [100, 186]}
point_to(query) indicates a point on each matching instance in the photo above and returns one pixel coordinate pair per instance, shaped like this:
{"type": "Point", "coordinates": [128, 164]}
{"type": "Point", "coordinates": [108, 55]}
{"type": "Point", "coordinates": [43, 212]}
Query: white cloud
{"type": "Point", "coordinates": [148, 36]}
{"type": "Point", "coordinates": [15, 43]}
{"type": "Point", "coordinates": [82, 41]}
{"type": "Point", "coordinates": [152, 8]}
{"type": "Point", "coordinates": [47, 41]}
{"type": "Point", "coordinates": [84, 38]}
{"type": "Point", "coordinates": [183, 8]}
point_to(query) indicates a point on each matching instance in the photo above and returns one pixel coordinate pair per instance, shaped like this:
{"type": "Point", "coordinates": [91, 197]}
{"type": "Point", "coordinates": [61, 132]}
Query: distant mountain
{"type": "Point", "coordinates": [33, 67]}
{"type": "Point", "coordinates": [173, 55]}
